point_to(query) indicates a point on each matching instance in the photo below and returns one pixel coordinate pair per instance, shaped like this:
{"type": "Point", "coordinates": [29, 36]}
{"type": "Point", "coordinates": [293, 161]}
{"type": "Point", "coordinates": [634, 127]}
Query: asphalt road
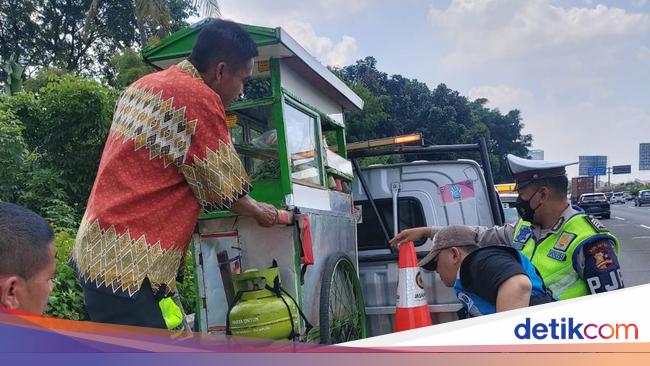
{"type": "Point", "coordinates": [632, 227]}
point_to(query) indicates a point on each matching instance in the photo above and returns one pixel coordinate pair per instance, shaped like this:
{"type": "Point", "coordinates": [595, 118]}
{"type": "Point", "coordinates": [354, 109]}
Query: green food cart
{"type": "Point", "coordinates": [289, 130]}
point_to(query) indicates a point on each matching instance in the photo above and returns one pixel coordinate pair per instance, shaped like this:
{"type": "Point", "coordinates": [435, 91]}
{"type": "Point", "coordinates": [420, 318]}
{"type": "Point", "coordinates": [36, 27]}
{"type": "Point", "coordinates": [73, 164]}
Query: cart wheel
{"type": "Point", "coordinates": [342, 310]}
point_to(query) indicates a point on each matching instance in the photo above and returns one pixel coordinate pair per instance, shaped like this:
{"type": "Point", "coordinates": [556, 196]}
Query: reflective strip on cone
{"type": "Point", "coordinates": [410, 289]}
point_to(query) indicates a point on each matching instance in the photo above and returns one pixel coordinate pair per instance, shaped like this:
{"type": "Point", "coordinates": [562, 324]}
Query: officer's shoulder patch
{"type": "Point", "coordinates": [602, 255]}
{"type": "Point", "coordinates": [525, 232]}
{"type": "Point", "coordinates": [564, 241]}
{"type": "Point", "coordinates": [596, 224]}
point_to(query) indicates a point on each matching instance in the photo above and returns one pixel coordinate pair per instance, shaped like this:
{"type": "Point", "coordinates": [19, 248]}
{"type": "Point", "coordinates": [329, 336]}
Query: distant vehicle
{"type": "Point", "coordinates": [510, 214]}
{"type": "Point", "coordinates": [609, 195]}
{"type": "Point", "coordinates": [596, 204]}
{"type": "Point", "coordinates": [617, 197]}
{"type": "Point", "coordinates": [643, 198]}
{"type": "Point", "coordinates": [628, 196]}
{"type": "Point", "coordinates": [580, 186]}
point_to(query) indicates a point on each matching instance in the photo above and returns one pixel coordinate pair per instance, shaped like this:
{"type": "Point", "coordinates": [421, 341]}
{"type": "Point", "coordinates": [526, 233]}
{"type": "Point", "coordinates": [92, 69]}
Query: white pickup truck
{"type": "Point", "coordinates": [419, 193]}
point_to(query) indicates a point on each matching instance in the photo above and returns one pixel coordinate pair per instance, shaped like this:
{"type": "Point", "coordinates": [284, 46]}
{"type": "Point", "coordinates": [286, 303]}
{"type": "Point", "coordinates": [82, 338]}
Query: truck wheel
{"type": "Point", "coordinates": [342, 309]}
{"type": "Point", "coordinates": [606, 217]}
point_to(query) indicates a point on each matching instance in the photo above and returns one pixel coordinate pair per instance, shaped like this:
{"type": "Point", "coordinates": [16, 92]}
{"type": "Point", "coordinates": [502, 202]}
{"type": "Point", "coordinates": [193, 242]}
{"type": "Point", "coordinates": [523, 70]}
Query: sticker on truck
{"type": "Point", "coordinates": [457, 192]}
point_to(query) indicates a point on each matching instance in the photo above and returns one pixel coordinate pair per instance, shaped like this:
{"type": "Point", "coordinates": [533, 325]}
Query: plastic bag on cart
{"type": "Point", "coordinates": [267, 140]}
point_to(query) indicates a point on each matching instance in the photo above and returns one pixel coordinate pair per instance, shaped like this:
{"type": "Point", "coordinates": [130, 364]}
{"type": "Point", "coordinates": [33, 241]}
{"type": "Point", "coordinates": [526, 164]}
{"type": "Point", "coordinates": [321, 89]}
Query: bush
{"type": "Point", "coordinates": [66, 299]}
{"type": "Point", "coordinates": [12, 154]}
{"type": "Point", "coordinates": [76, 117]}
{"type": "Point", "coordinates": [187, 289]}
{"type": "Point", "coordinates": [52, 140]}
{"type": "Point", "coordinates": [127, 67]}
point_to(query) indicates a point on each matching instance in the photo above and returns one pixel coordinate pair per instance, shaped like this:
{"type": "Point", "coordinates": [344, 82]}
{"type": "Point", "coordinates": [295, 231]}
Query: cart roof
{"type": "Point", "coordinates": [271, 42]}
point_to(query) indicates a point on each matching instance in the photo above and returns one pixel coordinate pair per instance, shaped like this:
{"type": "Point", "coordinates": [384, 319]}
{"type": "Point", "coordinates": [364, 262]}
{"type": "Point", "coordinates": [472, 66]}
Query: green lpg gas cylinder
{"type": "Point", "coordinates": [261, 311]}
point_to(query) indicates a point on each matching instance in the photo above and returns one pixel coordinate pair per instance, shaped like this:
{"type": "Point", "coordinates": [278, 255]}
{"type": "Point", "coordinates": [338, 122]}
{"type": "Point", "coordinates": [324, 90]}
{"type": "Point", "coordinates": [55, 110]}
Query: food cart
{"type": "Point", "coordinates": [289, 131]}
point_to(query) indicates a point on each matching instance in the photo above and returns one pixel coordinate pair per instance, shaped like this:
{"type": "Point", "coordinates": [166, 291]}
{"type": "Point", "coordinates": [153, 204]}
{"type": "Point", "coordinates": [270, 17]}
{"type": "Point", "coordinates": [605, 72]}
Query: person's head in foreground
{"type": "Point", "coordinates": [450, 247]}
{"type": "Point", "coordinates": [27, 263]}
{"type": "Point", "coordinates": [223, 55]}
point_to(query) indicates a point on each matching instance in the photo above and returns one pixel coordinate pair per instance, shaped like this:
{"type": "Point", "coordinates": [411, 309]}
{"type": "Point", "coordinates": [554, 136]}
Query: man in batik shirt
{"type": "Point", "coordinates": [168, 156]}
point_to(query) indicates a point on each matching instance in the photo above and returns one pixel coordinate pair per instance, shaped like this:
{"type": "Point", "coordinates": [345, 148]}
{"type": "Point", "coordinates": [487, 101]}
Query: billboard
{"type": "Point", "coordinates": [596, 170]}
{"type": "Point", "coordinates": [644, 156]}
{"type": "Point", "coordinates": [622, 169]}
{"type": "Point", "coordinates": [591, 161]}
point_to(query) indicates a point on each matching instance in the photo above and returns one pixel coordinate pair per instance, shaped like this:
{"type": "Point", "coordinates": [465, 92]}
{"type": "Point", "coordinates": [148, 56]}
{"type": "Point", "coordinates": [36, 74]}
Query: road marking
{"type": "Point", "coordinates": [619, 218]}
{"type": "Point", "coordinates": [640, 237]}
{"type": "Point", "coordinates": [647, 227]}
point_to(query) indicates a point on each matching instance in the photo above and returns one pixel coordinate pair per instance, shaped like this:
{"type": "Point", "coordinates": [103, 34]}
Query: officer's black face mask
{"type": "Point", "coordinates": [526, 212]}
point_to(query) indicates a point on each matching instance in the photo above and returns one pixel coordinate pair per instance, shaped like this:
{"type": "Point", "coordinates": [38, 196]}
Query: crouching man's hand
{"type": "Point", "coordinates": [413, 234]}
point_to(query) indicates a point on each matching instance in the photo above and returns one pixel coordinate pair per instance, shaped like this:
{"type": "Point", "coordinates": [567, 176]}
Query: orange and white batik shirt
{"type": "Point", "coordinates": [168, 156]}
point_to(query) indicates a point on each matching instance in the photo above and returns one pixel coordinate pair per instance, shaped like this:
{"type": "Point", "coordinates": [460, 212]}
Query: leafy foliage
{"type": "Point", "coordinates": [54, 142]}
{"type": "Point", "coordinates": [55, 33]}
{"type": "Point", "coordinates": [72, 120]}
{"type": "Point", "coordinates": [43, 77]}
{"type": "Point", "coordinates": [66, 300]}
{"type": "Point", "coordinates": [127, 67]}
{"type": "Point", "coordinates": [187, 288]}
{"type": "Point", "coordinates": [12, 155]}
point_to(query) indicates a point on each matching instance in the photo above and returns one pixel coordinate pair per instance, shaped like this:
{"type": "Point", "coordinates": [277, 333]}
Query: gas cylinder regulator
{"type": "Point", "coordinates": [262, 308]}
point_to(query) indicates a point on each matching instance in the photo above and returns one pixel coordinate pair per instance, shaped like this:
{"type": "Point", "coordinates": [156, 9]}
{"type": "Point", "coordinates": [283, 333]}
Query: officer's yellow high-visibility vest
{"type": "Point", "coordinates": [553, 256]}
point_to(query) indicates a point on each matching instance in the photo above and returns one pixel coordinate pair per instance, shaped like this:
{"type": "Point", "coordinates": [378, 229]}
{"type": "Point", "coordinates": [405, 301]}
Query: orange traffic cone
{"type": "Point", "coordinates": [412, 308]}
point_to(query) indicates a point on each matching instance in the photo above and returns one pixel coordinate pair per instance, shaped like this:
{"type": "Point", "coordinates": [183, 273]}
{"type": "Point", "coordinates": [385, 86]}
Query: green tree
{"type": "Point", "coordinates": [55, 33]}
{"type": "Point", "coordinates": [12, 154]}
{"type": "Point", "coordinates": [505, 136]}
{"type": "Point", "coordinates": [66, 300]}
{"type": "Point", "coordinates": [127, 67]}
{"type": "Point", "coordinates": [154, 17]}
{"type": "Point", "coordinates": [397, 105]}
{"type": "Point", "coordinates": [41, 78]}
{"type": "Point", "coordinates": [48, 33]}
{"type": "Point", "coordinates": [76, 116]}
{"type": "Point", "coordinates": [18, 31]}
{"type": "Point", "coordinates": [23, 178]}
{"type": "Point", "coordinates": [66, 123]}
{"type": "Point", "coordinates": [373, 121]}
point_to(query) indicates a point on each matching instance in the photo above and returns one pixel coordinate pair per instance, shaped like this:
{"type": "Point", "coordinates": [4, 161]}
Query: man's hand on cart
{"type": "Point", "coordinates": [413, 234]}
{"type": "Point", "coordinates": [266, 215]}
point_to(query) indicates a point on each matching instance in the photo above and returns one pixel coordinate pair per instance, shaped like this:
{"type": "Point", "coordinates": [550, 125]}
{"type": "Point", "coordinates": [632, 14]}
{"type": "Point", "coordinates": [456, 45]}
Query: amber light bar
{"type": "Point", "coordinates": [397, 140]}
{"type": "Point", "coordinates": [505, 187]}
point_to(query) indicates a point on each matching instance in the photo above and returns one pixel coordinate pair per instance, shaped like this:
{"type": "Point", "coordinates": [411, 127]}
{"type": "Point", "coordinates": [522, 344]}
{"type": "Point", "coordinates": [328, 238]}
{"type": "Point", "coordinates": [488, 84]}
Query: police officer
{"type": "Point", "coordinates": [574, 253]}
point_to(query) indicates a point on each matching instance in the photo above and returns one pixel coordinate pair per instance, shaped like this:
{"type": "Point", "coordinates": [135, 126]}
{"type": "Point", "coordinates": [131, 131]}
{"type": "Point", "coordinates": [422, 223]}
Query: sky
{"type": "Point", "coordinates": [578, 70]}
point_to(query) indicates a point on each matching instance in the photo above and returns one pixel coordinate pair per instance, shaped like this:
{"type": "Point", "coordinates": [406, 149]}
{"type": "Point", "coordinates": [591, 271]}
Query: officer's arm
{"type": "Point", "coordinates": [496, 235]}
{"type": "Point", "coordinates": [486, 236]}
{"type": "Point", "coordinates": [514, 293]}
{"type": "Point", "coordinates": [598, 265]}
